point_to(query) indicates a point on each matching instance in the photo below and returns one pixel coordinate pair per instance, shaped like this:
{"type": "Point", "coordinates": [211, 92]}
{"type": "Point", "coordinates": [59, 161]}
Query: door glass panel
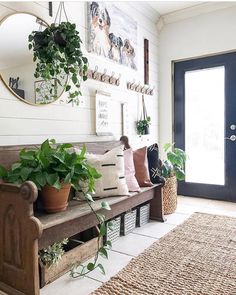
{"type": "Point", "coordinates": [204, 125]}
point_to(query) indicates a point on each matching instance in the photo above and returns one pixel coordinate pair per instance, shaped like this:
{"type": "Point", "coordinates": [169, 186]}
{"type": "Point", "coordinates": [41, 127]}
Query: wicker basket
{"type": "Point", "coordinates": [143, 215]}
{"type": "Point", "coordinates": [114, 234]}
{"type": "Point", "coordinates": [170, 195]}
{"type": "Point", "coordinates": [128, 222]}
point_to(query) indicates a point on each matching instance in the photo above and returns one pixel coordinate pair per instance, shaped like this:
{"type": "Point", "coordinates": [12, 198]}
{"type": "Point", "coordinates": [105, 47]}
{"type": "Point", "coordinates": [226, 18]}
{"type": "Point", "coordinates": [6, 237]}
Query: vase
{"type": "Point", "coordinates": [55, 200]}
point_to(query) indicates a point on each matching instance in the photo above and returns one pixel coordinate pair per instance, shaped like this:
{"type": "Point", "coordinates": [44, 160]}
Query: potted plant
{"type": "Point", "coordinates": [145, 120]}
{"type": "Point", "coordinates": [54, 169]}
{"type": "Point", "coordinates": [172, 170]}
{"type": "Point", "coordinates": [143, 126]}
{"type": "Point", "coordinates": [57, 51]}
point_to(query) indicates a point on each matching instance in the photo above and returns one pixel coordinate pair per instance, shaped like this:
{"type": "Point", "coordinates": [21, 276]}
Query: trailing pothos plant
{"type": "Point", "coordinates": [175, 162]}
{"type": "Point", "coordinates": [57, 52]}
{"type": "Point", "coordinates": [51, 164]}
{"type": "Point", "coordinates": [80, 270]}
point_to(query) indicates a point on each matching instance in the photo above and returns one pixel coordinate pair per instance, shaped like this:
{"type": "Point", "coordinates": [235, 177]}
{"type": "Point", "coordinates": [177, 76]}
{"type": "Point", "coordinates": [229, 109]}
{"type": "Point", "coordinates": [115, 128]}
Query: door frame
{"type": "Point", "coordinates": [178, 91]}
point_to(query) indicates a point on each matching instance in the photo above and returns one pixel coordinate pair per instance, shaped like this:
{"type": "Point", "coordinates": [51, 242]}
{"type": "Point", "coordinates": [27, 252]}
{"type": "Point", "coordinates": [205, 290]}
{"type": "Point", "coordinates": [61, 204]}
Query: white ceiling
{"type": "Point", "coordinates": [165, 7]}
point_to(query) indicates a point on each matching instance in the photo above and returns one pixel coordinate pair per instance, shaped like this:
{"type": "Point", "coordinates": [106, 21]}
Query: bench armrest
{"type": "Point", "coordinates": [19, 234]}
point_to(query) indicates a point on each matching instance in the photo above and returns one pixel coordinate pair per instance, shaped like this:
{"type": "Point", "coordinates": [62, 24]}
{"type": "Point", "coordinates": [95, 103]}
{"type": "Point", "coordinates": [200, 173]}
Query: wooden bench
{"type": "Point", "coordinates": [23, 232]}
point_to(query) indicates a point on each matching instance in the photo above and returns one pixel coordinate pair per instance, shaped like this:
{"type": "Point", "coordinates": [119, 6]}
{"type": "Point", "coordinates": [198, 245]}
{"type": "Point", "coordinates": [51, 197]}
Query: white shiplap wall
{"type": "Point", "coordinates": [24, 124]}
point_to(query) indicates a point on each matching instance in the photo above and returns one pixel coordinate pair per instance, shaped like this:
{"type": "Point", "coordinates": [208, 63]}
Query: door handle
{"type": "Point", "coordinates": [232, 137]}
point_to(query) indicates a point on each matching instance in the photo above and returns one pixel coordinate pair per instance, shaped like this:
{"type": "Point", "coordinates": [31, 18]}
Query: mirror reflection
{"type": "Point", "coordinates": [16, 61]}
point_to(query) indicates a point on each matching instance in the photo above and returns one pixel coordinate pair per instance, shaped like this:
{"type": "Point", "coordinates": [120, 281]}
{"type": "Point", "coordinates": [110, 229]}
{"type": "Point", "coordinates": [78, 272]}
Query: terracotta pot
{"type": "Point", "coordinates": [55, 200]}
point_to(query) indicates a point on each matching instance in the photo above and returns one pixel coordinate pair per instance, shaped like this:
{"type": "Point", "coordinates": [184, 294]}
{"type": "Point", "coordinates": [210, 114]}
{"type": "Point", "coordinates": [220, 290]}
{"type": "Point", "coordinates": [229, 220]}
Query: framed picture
{"type": "Point", "coordinates": [45, 91]}
{"type": "Point", "coordinates": [112, 33]}
{"type": "Point", "coordinates": [103, 126]}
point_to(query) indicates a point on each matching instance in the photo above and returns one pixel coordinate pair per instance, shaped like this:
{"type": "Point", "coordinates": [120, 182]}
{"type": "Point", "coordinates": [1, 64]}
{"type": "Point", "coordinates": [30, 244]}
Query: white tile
{"type": "Point", "coordinates": [66, 285]}
{"type": "Point", "coordinates": [114, 263]}
{"type": "Point", "coordinates": [193, 201]}
{"type": "Point", "coordinates": [219, 212]}
{"type": "Point", "coordinates": [176, 218]}
{"type": "Point", "coordinates": [154, 229]}
{"type": "Point", "coordinates": [222, 205]}
{"type": "Point", "coordinates": [132, 244]}
{"type": "Point", "coordinates": [187, 208]}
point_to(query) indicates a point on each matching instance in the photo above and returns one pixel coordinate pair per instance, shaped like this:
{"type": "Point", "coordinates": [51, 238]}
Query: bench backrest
{"type": "Point", "coordinates": [10, 154]}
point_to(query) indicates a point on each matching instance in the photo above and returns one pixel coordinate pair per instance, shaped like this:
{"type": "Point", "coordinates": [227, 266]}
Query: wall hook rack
{"type": "Point", "coordinates": [141, 88]}
{"type": "Point", "coordinates": [103, 76]}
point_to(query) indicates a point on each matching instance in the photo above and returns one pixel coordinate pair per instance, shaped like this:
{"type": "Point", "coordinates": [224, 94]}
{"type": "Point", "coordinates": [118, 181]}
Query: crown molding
{"type": "Point", "coordinates": [146, 10]}
{"type": "Point", "coordinates": [193, 11]}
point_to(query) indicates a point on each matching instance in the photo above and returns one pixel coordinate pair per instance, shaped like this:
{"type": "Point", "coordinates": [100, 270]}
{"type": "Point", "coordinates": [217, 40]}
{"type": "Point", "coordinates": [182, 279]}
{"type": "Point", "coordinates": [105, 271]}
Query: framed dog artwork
{"type": "Point", "coordinates": [112, 33]}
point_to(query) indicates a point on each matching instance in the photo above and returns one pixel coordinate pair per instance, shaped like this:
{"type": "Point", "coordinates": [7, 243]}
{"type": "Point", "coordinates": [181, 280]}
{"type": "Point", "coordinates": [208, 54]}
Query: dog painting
{"type": "Point", "coordinates": [112, 33]}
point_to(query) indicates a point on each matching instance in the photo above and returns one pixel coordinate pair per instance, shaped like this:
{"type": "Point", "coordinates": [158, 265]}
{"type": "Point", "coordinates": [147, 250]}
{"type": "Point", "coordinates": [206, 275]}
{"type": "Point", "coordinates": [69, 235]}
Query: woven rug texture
{"type": "Point", "coordinates": [198, 257]}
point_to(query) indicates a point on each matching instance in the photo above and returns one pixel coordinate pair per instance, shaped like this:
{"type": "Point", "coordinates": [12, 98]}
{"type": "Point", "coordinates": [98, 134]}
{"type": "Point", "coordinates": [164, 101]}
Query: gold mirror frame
{"type": "Point", "coordinates": [5, 82]}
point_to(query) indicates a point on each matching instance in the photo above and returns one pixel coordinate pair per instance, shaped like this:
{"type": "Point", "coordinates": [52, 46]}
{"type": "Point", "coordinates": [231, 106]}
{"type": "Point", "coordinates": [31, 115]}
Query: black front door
{"type": "Point", "coordinates": [205, 125]}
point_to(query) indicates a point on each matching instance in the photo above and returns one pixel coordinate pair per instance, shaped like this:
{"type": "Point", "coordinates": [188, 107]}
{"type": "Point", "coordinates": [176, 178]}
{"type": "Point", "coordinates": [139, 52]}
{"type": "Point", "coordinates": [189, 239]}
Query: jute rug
{"type": "Point", "coordinates": [196, 258]}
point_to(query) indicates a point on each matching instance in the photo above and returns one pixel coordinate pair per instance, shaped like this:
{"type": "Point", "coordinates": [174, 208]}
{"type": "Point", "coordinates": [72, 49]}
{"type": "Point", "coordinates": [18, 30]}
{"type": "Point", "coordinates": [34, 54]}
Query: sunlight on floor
{"type": "Point", "coordinates": [133, 244]}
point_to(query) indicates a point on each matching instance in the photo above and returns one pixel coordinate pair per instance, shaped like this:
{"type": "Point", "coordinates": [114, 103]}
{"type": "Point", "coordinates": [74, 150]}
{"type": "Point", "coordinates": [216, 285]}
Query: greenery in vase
{"type": "Point", "coordinates": [57, 51]}
{"type": "Point", "coordinates": [175, 162]}
{"type": "Point", "coordinates": [142, 125]}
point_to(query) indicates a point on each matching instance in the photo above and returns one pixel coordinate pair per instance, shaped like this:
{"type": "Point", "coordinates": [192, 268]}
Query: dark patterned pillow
{"type": "Point", "coordinates": [154, 164]}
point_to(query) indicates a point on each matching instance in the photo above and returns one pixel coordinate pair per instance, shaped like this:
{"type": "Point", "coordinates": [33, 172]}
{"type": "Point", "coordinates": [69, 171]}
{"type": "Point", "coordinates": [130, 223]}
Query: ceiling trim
{"type": "Point", "coordinates": [193, 11]}
{"type": "Point", "coordinates": [146, 10]}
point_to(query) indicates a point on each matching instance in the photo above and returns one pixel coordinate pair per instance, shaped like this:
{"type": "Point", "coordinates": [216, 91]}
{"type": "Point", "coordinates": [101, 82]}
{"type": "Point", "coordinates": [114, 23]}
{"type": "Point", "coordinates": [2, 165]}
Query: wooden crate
{"type": "Point", "coordinates": [79, 254]}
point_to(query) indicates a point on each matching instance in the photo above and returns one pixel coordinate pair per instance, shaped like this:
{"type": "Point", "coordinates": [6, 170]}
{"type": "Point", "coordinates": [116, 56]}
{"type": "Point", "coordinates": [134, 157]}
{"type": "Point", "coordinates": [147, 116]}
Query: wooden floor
{"type": "Point", "coordinates": [133, 244]}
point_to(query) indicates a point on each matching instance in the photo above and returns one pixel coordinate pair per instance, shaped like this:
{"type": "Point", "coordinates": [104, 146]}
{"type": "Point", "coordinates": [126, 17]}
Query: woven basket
{"type": "Point", "coordinates": [170, 195]}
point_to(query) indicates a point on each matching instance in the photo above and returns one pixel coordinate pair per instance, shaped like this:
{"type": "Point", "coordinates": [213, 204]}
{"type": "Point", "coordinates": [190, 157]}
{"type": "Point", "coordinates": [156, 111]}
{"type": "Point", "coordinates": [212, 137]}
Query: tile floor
{"type": "Point", "coordinates": [133, 244]}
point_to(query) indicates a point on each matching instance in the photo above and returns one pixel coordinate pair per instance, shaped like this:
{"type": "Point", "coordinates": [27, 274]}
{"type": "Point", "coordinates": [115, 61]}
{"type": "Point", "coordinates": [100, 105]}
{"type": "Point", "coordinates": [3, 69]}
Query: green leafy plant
{"type": "Point", "coordinates": [80, 270]}
{"type": "Point", "coordinates": [51, 164]}
{"type": "Point", "coordinates": [52, 254]}
{"type": "Point", "coordinates": [143, 126]}
{"type": "Point", "coordinates": [175, 162]}
{"type": "Point", "coordinates": [57, 51]}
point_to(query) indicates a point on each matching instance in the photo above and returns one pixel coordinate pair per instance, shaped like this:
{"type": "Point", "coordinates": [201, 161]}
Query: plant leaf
{"type": "Point", "coordinates": [102, 230]}
{"type": "Point", "coordinates": [90, 266]}
{"type": "Point", "coordinates": [100, 266]}
{"type": "Point", "coordinates": [103, 252]}
{"type": "Point", "coordinates": [105, 205]}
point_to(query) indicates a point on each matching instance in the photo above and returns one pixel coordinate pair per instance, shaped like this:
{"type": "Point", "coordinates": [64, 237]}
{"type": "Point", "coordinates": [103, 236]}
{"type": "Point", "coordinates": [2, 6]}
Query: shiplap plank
{"type": "Point", "coordinates": [22, 123]}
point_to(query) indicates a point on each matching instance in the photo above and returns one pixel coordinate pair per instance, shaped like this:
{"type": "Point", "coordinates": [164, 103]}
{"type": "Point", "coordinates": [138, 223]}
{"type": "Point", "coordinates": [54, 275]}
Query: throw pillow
{"type": "Point", "coordinates": [111, 167]}
{"type": "Point", "coordinates": [154, 164]}
{"type": "Point", "coordinates": [141, 167]}
{"type": "Point", "coordinates": [130, 178]}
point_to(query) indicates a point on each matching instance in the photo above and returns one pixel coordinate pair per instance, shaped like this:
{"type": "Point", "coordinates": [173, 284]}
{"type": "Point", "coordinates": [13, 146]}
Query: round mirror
{"type": "Point", "coordinates": [16, 61]}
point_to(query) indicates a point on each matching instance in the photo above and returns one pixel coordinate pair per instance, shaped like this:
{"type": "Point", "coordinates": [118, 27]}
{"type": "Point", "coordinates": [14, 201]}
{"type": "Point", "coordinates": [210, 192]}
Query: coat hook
{"type": "Point", "coordinates": [103, 76]}
{"type": "Point", "coordinates": [118, 80]}
{"type": "Point", "coordinates": [112, 79]}
{"type": "Point", "coordinates": [132, 85]}
{"type": "Point", "coordinates": [137, 87]}
{"type": "Point", "coordinates": [96, 74]}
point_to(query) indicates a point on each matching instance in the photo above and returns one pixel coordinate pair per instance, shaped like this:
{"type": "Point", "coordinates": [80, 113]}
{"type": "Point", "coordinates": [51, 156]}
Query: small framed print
{"type": "Point", "coordinates": [45, 91]}
{"type": "Point", "coordinates": [103, 126]}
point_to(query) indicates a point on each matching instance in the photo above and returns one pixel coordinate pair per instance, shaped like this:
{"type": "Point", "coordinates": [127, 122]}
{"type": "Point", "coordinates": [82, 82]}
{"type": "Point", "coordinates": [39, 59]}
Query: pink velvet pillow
{"type": "Point", "coordinates": [130, 178]}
